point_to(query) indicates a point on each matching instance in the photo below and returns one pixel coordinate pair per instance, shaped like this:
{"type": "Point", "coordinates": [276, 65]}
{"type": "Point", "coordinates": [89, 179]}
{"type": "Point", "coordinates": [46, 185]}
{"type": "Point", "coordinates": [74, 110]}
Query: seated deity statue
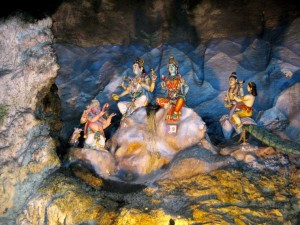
{"type": "Point", "coordinates": [235, 90]}
{"type": "Point", "coordinates": [176, 89]}
{"type": "Point", "coordinates": [138, 87]}
{"type": "Point", "coordinates": [95, 124]}
{"type": "Point", "coordinates": [244, 108]}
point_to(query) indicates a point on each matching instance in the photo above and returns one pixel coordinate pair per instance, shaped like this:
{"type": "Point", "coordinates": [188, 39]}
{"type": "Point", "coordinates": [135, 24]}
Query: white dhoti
{"type": "Point", "coordinates": [127, 108]}
{"type": "Point", "coordinates": [95, 141]}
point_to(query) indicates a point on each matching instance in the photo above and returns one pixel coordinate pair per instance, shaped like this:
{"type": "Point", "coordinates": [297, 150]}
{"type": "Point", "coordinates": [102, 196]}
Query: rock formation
{"type": "Point", "coordinates": [142, 145]}
{"type": "Point", "coordinates": [154, 23]}
{"type": "Point", "coordinates": [95, 45]}
{"type": "Point", "coordinates": [28, 153]}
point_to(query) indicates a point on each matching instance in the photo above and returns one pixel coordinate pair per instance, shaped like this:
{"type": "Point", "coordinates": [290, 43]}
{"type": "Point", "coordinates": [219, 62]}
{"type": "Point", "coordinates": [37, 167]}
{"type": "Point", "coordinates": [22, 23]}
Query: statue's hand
{"type": "Point", "coordinates": [139, 80]}
{"type": "Point", "coordinates": [154, 77]}
{"type": "Point", "coordinates": [106, 105]}
{"type": "Point", "coordinates": [113, 114]}
{"type": "Point", "coordinates": [85, 112]}
{"type": "Point", "coordinates": [115, 97]}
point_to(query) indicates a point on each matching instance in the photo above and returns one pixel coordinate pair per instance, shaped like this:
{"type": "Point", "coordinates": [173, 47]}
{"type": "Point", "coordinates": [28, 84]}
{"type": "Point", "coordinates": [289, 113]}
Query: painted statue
{"type": "Point", "coordinates": [240, 114]}
{"type": "Point", "coordinates": [244, 108]}
{"type": "Point", "coordinates": [176, 88]}
{"type": "Point", "coordinates": [235, 90]}
{"type": "Point", "coordinates": [138, 87]}
{"type": "Point", "coordinates": [94, 125]}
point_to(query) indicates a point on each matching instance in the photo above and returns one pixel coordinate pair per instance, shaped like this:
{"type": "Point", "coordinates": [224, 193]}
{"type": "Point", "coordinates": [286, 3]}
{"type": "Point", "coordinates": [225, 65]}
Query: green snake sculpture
{"type": "Point", "coordinates": [270, 139]}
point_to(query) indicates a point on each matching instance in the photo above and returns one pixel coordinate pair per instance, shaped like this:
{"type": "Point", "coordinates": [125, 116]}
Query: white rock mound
{"type": "Point", "coordinates": [143, 142]}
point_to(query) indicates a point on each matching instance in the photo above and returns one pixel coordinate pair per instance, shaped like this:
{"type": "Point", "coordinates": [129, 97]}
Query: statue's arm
{"type": "Point", "coordinates": [84, 116]}
{"type": "Point", "coordinates": [184, 87]}
{"type": "Point", "coordinates": [241, 99]}
{"type": "Point", "coordinates": [107, 122]}
{"type": "Point", "coordinates": [117, 97]}
{"type": "Point", "coordinates": [123, 83]}
{"type": "Point", "coordinates": [126, 92]}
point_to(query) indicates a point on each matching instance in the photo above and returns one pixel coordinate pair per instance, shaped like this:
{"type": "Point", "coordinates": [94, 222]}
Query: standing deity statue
{"type": "Point", "coordinates": [138, 87]}
{"type": "Point", "coordinates": [94, 125]}
{"type": "Point", "coordinates": [176, 88]}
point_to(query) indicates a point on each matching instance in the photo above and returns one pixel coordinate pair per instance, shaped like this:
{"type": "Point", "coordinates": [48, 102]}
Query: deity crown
{"type": "Point", "coordinates": [95, 103]}
{"type": "Point", "coordinates": [140, 62]}
{"type": "Point", "coordinates": [172, 61]}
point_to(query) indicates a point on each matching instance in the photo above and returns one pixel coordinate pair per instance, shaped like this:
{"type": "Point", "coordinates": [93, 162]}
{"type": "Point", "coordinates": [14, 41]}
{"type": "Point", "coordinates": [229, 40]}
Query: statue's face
{"type": "Point", "coordinates": [248, 88]}
{"type": "Point", "coordinates": [95, 109]}
{"type": "Point", "coordinates": [232, 81]}
{"type": "Point", "coordinates": [172, 69]}
{"type": "Point", "coordinates": [136, 69]}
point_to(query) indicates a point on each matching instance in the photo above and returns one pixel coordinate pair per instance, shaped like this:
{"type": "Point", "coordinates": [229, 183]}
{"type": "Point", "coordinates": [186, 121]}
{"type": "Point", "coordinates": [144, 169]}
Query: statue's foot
{"type": "Point", "coordinates": [172, 120]}
{"type": "Point", "coordinates": [123, 122]}
{"type": "Point", "coordinates": [175, 117]}
{"type": "Point", "coordinates": [243, 137]}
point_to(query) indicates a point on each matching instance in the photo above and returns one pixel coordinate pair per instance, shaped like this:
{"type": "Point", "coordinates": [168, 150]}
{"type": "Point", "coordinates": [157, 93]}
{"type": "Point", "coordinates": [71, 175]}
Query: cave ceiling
{"type": "Point", "coordinates": [92, 23]}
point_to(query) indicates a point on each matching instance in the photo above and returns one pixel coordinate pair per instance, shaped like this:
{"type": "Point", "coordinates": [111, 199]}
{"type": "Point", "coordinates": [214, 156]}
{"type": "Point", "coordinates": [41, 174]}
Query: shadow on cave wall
{"type": "Point", "coordinates": [49, 110]}
{"type": "Point", "coordinates": [165, 26]}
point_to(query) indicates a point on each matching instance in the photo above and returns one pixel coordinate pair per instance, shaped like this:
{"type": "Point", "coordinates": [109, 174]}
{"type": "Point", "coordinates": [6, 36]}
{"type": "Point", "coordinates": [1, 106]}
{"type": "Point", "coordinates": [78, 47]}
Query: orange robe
{"type": "Point", "coordinates": [175, 98]}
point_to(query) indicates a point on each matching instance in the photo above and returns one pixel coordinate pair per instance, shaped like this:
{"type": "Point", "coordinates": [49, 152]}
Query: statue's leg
{"type": "Point", "coordinates": [90, 140]}
{"type": "Point", "coordinates": [102, 141]}
{"type": "Point", "coordinates": [236, 119]}
{"type": "Point", "coordinates": [177, 109]}
{"type": "Point", "coordinates": [243, 137]}
{"type": "Point", "coordinates": [141, 101]}
{"type": "Point", "coordinates": [163, 102]}
{"type": "Point", "coordinates": [232, 109]}
{"type": "Point", "coordinates": [170, 112]}
{"type": "Point", "coordinates": [123, 107]}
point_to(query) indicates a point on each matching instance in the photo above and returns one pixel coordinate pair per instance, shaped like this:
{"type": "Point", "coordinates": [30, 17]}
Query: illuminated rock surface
{"type": "Point", "coordinates": [28, 153]}
{"type": "Point", "coordinates": [220, 197]}
{"type": "Point", "coordinates": [244, 184]}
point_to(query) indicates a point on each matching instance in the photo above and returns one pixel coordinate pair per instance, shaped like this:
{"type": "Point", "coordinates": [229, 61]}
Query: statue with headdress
{"type": "Point", "coordinates": [94, 125]}
{"type": "Point", "coordinates": [176, 89]}
{"type": "Point", "coordinates": [137, 87]}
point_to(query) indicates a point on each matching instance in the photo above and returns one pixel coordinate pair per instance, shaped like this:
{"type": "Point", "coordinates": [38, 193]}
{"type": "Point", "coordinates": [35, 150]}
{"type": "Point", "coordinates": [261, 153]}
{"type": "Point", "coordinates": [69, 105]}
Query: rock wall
{"type": "Point", "coordinates": [27, 70]}
{"type": "Point", "coordinates": [196, 188]}
{"type": "Point", "coordinates": [157, 22]}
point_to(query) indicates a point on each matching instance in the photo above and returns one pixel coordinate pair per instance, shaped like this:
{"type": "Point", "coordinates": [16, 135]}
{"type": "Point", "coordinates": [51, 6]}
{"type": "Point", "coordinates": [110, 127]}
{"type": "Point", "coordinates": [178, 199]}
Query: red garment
{"type": "Point", "coordinates": [174, 88]}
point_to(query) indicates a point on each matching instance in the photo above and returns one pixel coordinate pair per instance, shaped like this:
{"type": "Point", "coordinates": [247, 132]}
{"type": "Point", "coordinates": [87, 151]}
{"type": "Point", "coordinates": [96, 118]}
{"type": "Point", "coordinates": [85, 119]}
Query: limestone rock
{"type": "Point", "coordinates": [144, 144]}
{"type": "Point", "coordinates": [28, 153]}
{"type": "Point", "coordinates": [62, 199]}
{"type": "Point", "coordinates": [101, 162]}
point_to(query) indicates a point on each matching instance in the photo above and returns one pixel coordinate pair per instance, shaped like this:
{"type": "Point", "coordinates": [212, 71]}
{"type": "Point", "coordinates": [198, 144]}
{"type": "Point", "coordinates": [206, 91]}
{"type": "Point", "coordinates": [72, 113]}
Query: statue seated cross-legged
{"type": "Point", "coordinates": [177, 89]}
{"type": "Point", "coordinates": [138, 87]}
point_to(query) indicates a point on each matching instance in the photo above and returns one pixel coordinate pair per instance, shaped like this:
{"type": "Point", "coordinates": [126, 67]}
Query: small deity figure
{"type": "Point", "coordinates": [235, 90]}
{"type": "Point", "coordinates": [245, 105]}
{"type": "Point", "coordinates": [137, 87]}
{"type": "Point", "coordinates": [176, 92]}
{"type": "Point", "coordinates": [95, 124]}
